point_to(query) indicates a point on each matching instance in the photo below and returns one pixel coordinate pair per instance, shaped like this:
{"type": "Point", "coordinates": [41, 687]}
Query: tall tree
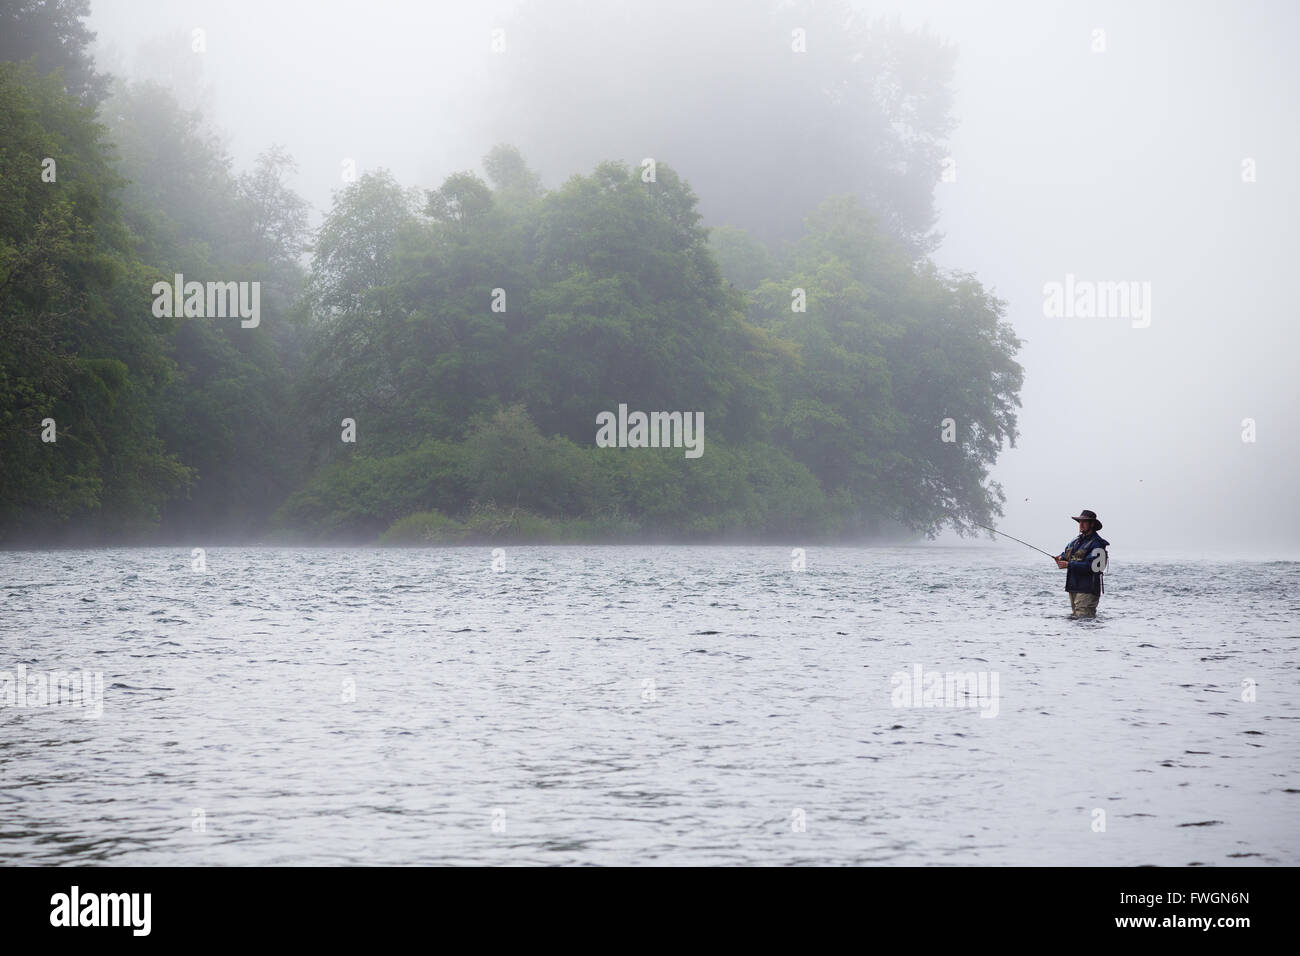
{"type": "Point", "coordinates": [356, 353]}
{"type": "Point", "coordinates": [224, 412]}
{"type": "Point", "coordinates": [82, 358]}
{"type": "Point", "coordinates": [52, 33]}
{"type": "Point", "coordinates": [888, 350]}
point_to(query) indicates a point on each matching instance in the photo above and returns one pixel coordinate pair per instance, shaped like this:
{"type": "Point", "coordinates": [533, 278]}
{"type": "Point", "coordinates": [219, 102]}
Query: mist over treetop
{"type": "Point", "coordinates": [767, 108]}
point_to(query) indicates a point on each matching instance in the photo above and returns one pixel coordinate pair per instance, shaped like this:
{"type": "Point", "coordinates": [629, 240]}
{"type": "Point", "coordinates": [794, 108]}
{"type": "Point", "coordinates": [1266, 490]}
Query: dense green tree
{"type": "Point", "coordinates": [276, 216]}
{"type": "Point", "coordinates": [512, 181]}
{"type": "Point", "coordinates": [475, 332]}
{"type": "Point", "coordinates": [52, 34]}
{"type": "Point", "coordinates": [889, 349]}
{"type": "Point", "coordinates": [78, 341]}
{"type": "Point", "coordinates": [358, 348]}
{"type": "Point", "coordinates": [503, 322]}
{"type": "Point", "coordinates": [226, 411]}
{"type": "Point", "coordinates": [743, 260]}
{"type": "Point", "coordinates": [633, 309]}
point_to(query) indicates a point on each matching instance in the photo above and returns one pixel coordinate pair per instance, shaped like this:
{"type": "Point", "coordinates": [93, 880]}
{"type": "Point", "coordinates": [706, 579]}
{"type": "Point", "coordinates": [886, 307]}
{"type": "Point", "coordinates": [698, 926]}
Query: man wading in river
{"type": "Point", "coordinates": [1085, 560]}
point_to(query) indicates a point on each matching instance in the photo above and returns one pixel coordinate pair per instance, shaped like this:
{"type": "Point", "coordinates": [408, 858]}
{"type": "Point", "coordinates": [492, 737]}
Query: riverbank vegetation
{"type": "Point", "coordinates": [470, 332]}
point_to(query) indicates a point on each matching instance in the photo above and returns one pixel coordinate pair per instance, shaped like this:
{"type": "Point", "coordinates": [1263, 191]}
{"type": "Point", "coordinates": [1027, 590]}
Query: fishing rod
{"type": "Point", "coordinates": [987, 528]}
{"type": "Point", "coordinates": [1026, 543]}
{"type": "Point", "coordinates": [1012, 537]}
{"type": "Point", "coordinates": [957, 517]}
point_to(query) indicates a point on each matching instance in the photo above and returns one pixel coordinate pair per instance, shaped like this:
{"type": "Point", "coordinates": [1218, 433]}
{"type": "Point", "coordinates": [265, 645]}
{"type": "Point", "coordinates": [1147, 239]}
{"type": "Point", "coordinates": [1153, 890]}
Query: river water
{"type": "Point", "coordinates": [646, 705]}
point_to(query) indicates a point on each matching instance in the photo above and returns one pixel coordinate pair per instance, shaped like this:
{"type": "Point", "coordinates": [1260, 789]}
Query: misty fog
{"type": "Point", "coordinates": [1122, 165]}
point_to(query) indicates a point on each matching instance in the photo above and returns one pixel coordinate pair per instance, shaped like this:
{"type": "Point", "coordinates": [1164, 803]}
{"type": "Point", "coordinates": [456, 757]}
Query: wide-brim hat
{"type": "Point", "coordinates": [1086, 515]}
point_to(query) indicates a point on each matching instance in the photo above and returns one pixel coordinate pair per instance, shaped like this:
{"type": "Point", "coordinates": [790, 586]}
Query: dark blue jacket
{"type": "Point", "coordinates": [1079, 552]}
